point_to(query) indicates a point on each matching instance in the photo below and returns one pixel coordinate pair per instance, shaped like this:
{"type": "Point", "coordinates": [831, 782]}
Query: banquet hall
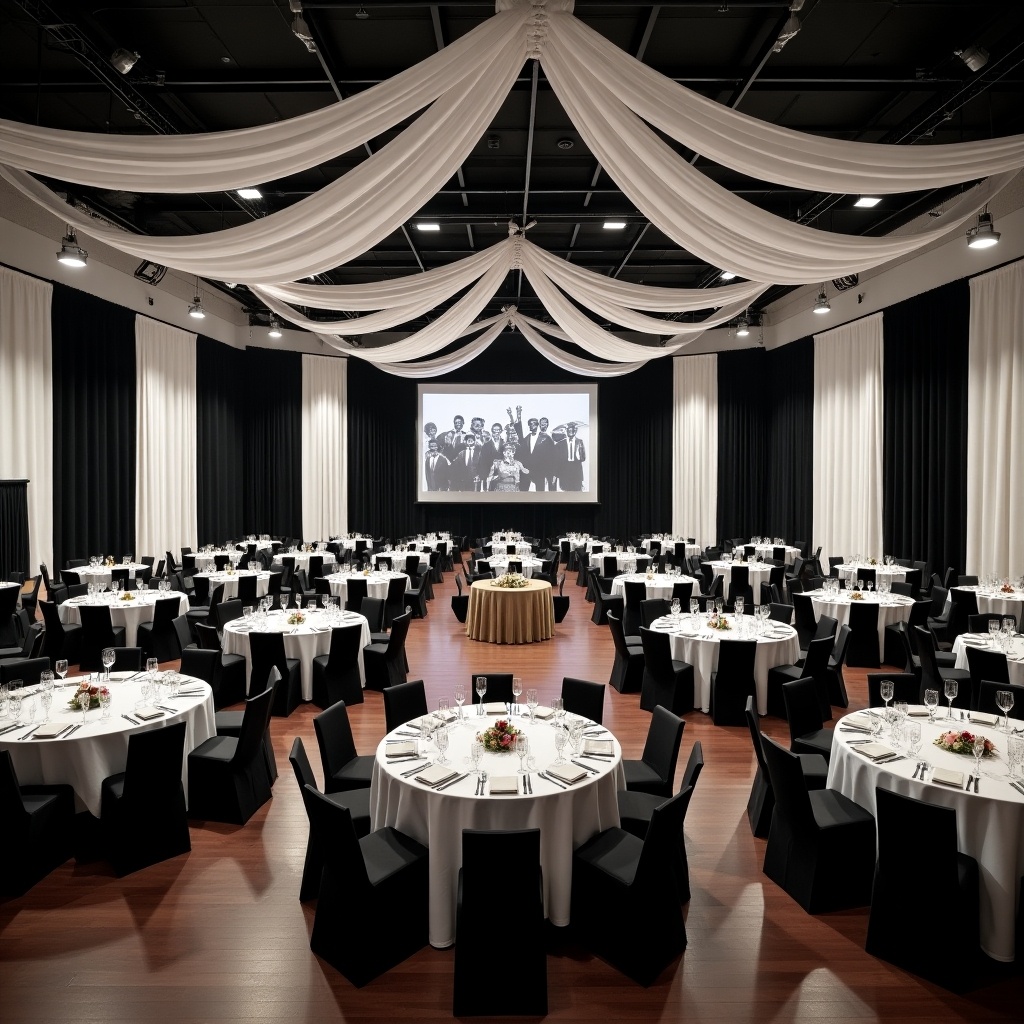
{"type": "Point", "coordinates": [751, 230]}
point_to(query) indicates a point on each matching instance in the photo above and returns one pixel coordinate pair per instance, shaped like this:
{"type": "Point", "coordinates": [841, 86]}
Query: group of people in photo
{"type": "Point", "coordinates": [507, 457]}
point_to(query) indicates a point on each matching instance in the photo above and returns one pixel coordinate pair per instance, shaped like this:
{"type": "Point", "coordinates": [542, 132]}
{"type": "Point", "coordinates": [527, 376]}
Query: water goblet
{"type": "Point", "coordinates": [481, 689]}
{"type": "Point", "coordinates": [531, 702]}
{"type": "Point", "coordinates": [978, 749]}
{"type": "Point", "coordinates": [950, 690]}
{"type": "Point", "coordinates": [442, 708]}
{"type": "Point", "coordinates": [931, 702]}
{"type": "Point", "coordinates": [719, 605]}
{"type": "Point", "coordinates": [1015, 754]}
{"type": "Point", "coordinates": [108, 658]}
{"type": "Point", "coordinates": [460, 697]}
{"type": "Point", "coordinates": [522, 750]}
{"type": "Point", "coordinates": [46, 681]}
{"type": "Point", "coordinates": [151, 667]}
{"type": "Point", "coordinates": [1004, 701]}
{"type": "Point", "coordinates": [424, 739]}
{"type": "Point", "coordinates": [441, 739]}
{"type": "Point", "coordinates": [298, 602]}
{"type": "Point", "coordinates": [675, 608]}
{"type": "Point", "coordinates": [30, 709]}
{"type": "Point", "coordinates": [694, 610]}
{"type": "Point", "coordinates": [738, 605]}
{"type": "Point", "coordinates": [46, 699]}
{"type": "Point", "coordinates": [885, 690]}
{"type": "Point", "coordinates": [104, 702]}
{"type": "Point", "coordinates": [476, 755]}
{"type": "Point", "coordinates": [558, 706]}
{"type": "Point", "coordinates": [994, 629]}
{"type": "Point", "coordinates": [146, 694]}
{"type": "Point", "coordinates": [61, 668]}
{"type": "Point", "coordinates": [576, 735]}
{"type": "Point", "coordinates": [1009, 628]}
{"type": "Point", "coordinates": [16, 701]}
{"type": "Point", "coordinates": [517, 690]}
{"type": "Point", "coordinates": [560, 746]}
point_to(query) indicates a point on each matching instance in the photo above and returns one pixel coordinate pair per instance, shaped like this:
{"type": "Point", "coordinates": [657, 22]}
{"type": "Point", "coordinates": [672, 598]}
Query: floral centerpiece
{"type": "Point", "coordinates": [109, 561]}
{"type": "Point", "coordinates": [512, 581]}
{"type": "Point", "coordinates": [1007, 588]}
{"type": "Point", "coordinates": [296, 619]}
{"type": "Point", "coordinates": [87, 692]}
{"type": "Point", "coordinates": [856, 596]}
{"type": "Point", "coordinates": [719, 622]}
{"type": "Point", "coordinates": [872, 561]}
{"type": "Point", "coordinates": [962, 742]}
{"type": "Point", "coordinates": [127, 596]}
{"type": "Point", "coordinates": [500, 738]}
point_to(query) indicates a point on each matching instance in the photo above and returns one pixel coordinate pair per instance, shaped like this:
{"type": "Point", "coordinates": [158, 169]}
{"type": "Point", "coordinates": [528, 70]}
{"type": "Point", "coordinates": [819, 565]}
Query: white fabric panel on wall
{"type": "Point", "coordinates": [995, 423]}
{"type": "Point", "coordinates": [324, 443]}
{"type": "Point", "coordinates": [165, 453]}
{"type": "Point", "coordinates": [26, 398]}
{"type": "Point", "coordinates": [695, 447]}
{"type": "Point", "coordinates": [847, 499]}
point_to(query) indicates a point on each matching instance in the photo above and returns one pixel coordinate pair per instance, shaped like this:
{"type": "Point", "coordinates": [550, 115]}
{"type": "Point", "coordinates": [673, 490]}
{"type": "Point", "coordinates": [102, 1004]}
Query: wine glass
{"type": "Point", "coordinates": [694, 610]}
{"type": "Point", "coordinates": [912, 735]}
{"type": "Point", "coordinates": [885, 691]}
{"type": "Point", "coordinates": [481, 689]}
{"type": "Point", "coordinates": [460, 697]}
{"type": "Point", "coordinates": [46, 699]}
{"type": "Point", "coordinates": [298, 602]}
{"type": "Point", "coordinates": [979, 751]}
{"type": "Point", "coordinates": [517, 690]}
{"type": "Point", "coordinates": [152, 665]}
{"type": "Point", "coordinates": [1004, 701]}
{"type": "Point", "coordinates": [558, 707]}
{"type": "Point", "coordinates": [442, 708]}
{"type": "Point", "coordinates": [531, 701]}
{"type": "Point", "coordinates": [522, 750]}
{"type": "Point", "coordinates": [476, 755]}
{"type": "Point", "coordinates": [675, 608]}
{"type": "Point", "coordinates": [16, 701]}
{"type": "Point", "coordinates": [560, 738]}
{"type": "Point", "coordinates": [994, 629]}
{"type": "Point", "coordinates": [931, 702]}
{"type": "Point", "coordinates": [738, 605]}
{"type": "Point", "coordinates": [950, 691]}
{"type": "Point", "coordinates": [104, 702]}
{"type": "Point", "coordinates": [108, 657]}
{"type": "Point", "coordinates": [441, 739]}
{"type": "Point", "coordinates": [62, 670]}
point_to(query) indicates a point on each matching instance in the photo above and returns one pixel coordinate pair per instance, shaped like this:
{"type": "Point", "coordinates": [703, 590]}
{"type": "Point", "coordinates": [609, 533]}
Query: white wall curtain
{"type": "Point", "coordinates": [26, 399]}
{"type": "Point", "coordinates": [695, 447]}
{"type": "Point", "coordinates": [324, 443]}
{"type": "Point", "coordinates": [995, 423]}
{"type": "Point", "coordinates": [165, 454]}
{"type": "Point", "coordinates": [847, 499]}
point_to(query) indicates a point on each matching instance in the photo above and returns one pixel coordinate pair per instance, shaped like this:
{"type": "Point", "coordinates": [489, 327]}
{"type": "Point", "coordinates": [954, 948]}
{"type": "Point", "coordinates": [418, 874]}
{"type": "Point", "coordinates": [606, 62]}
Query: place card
{"type": "Point", "coordinates": [948, 778]}
{"type": "Point", "coordinates": [598, 747]}
{"type": "Point", "coordinates": [875, 751]}
{"type": "Point", "coordinates": [435, 775]}
{"type": "Point", "coordinates": [568, 773]}
{"type": "Point", "coordinates": [401, 749]}
{"type": "Point", "coordinates": [501, 784]}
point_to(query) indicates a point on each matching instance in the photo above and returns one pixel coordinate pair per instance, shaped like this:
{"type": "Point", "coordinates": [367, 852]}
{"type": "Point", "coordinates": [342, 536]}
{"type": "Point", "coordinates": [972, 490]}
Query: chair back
{"type": "Point", "coordinates": [806, 625]}
{"type": "Point", "coordinates": [917, 832]}
{"type": "Point", "coordinates": [930, 678]}
{"type": "Point", "coordinates": [394, 604]}
{"type": "Point", "coordinates": [827, 627]}
{"type": "Point", "coordinates": [208, 639]}
{"type": "Point", "coordinates": [661, 748]}
{"type": "Point", "coordinates": [182, 631]}
{"type": "Point", "coordinates": [779, 612]}
{"type": "Point", "coordinates": [491, 854]}
{"type": "Point", "coordinates": [904, 687]}
{"type": "Point", "coordinates": [127, 659]}
{"type": "Point", "coordinates": [963, 604]}
{"type": "Point", "coordinates": [299, 761]}
{"type": "Point", "coordinates": [657, 653]}
{"type": "Point", "coordinates": [792, 799]}
{"type": "Point", "coordinates": [152, 774]}
{"type": "Point", "coordinates": [499, 687]}
{"type": "Point", "coordinates": [266, 653]}
{"type": "Point", "coordinates": [654, 608]}
{"type": "Point", "coordinates": [333, 832]}
{"type": "Point", "coordinates": [582, 697]}
{"type": "Point", "coordinates": [396, 638]}
{"type": "Point", "coordinates": [683, 589]}
{"type": "Point", "coordinates": [694, 766]}
{"type": "Point", "coordinates": [755, 736]}
{"type": "Point", "coordinates": [28, 670]}
{"type": "Point", "coordinates": [334, 736]}
{"type": "Point", "coordinates": [97, 633]}
{"type": "Point", "coordinates": [403, 703]}
{"type": "Point", "coordinates": [255, 722]}
{"type": "Point", "coordinates": [987, 690]}
{"type": "Point", "coordinates": [355, 591]}
{"type": "Point", "coordinates": [346, 643]}
{"type": "Point", "coordinates": [654, 866]}
{"type": "Point", "coordinates": [979, 623]}
{"type": "Point", "coordinates": [982, 664]}
{"type": "Point", "coordinates": [803, 709]}
{"type": "Point", "coordinates": [736, 660]}
{"type": "Point", "coordinates": [316, 567]}
{"type": "Point", "coordinates": [739, 576]}
{"type": "Point", "coordinates": [372, 609]}
{"type": "Point", "coordinates": [246, 591]}
{"type": "Point", "coordinates": [225, 612]}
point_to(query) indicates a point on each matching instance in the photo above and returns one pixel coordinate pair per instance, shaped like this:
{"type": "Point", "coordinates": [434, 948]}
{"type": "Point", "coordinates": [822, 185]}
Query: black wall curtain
{"type": "Point", "coordinates": [94, 427]}
{"type": "Point", "coordinates": [924, 511]}
{"type": "Point", "coordinates": [222, 400]}
{"type": "Point", "coordinates": [14, 553]}
{"type": "Point", "coordinates": [635, 439]}
{"type": "Point", "coordinates": [273, 451]}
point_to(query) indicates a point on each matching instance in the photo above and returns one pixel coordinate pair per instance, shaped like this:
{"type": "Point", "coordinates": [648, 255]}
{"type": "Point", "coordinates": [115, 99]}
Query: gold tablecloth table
{"type": "Point", "coordinates": [505, 616]}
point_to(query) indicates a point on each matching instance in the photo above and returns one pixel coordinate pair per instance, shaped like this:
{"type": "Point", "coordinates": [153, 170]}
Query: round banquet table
{"type": "Point", "coordinates": [499, 563]}
{"type": "Point", "coordinates": [757, 573]}
{"type": "Point", "coordinates": [304, 642]}
{"type": "Point", "coordinates": [207, 560]}
{"type": "Point", "coordinates": [622, 559]}
{"type": "Point", "coordinates": [398, 558]}
{"type": "Point", "coordinates": [376, 583]}
{"type": "Point", "coordinates": [230, 582]}
{"type": "Point", "coordinates": [349, 543]}
{"type": "Point", "coordinates": [302, 557]}
{"type": "Point", "coordinates": [7, 586]}
{"type": "Point", "coordinates": [668, 545]}
{"type": "Point", "coordinates": [779, 645]}
{"type": "Point", "coordinates": [768, 551]}
{"type": "Point", "coordinates": [124, 613]}
{"type": "Point", "coordinates": [566, 817]}
{"type": "Point", "coordinates": [992, 601]}
{"type": "Point", "coordinates": [506, 616]}
{"type": "Point", "coordinates": [590, 543]}
{"type": "Point", "coordinates": [659, 585]}
{"type": "Point", "coordinates": [851, 571]}
{"type": "Point", "coordinates": [895, 608]}
{"type": "Point", "coordinates": [101, 573]}
{"type": "Point", "coordinates": [990, 824]}
{"type": "Point", "coordinates": [1014, 655]}
{"type": "Point", "coordinates": [100, 748]}
{"type": "Point", "coordinates": [429, 544]}
{"type": "Point", "coordinates": [500, 547]}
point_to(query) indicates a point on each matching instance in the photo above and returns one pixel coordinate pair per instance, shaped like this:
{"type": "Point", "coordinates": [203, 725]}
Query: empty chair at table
{"type": "Point", "coordinates": [863, 648]}
{"type": "Point", "coordinates": [963, 604]}
{"type": "Point", "coordinates": [666, 682]}
{"type": "Point", "coordinates": [385, 663]}
{"type": "Point", "coordinates": [499, 688]}
{"type": "Point", "coordinates": [355, 591]}
{"type": "Point", "coordinates": [98, 632]}
{"type": "Point", "coordinates": [583, 697]}
{"type": "Point", "coordinates": [158, 638]}
{"type": "Point", "coordinates": [628, 665]}
{"type": "Point", "coordinates": [403, 703]}
{"type": "Point", "coordinates": [988, 691]}
{"type": "Point", "coordinates": [935, 677]}
{"type": "Point", "coordinates": [266, 653]}
{"type": "Point", "coordinates": [905, 688]}
{"type": "Point", "coordinates": [635, 593]}
{"type": "Point", "coordinates": [733, 681]}
{"type": "Point", "coordinates": [807, 731]}
{"type": "Point", "coordinates": [336, 674]}
{"type": "Point", "coordinates": [985, 664]}
{"type": "Point", "coordinates": [655, 771]}
{"type": "Point", "coordinates": [343, 767]}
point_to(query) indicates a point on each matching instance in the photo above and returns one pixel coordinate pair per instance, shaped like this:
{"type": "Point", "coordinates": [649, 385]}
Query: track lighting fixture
{"type": "Point", "coordinates": [196, 310]}
{"type": "Point", "coordinates": [275, 328]}
{"type": "Point", "coordinates": [743, 327]}
{"type": "Point", "coordinates": [123, 60]}
{"type": "Point", "coordinates": [71, 253]}
{"type": "Point", "coordinates": [983, 235]}
{"type": "Point", "coordinates": [822, 304]}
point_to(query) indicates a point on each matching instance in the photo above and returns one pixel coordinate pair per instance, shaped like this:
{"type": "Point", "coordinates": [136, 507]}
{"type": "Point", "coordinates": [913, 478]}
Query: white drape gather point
{"type": "Point", "coordinates": [995, 423]}
{"type": "Point", "coordinates": [165, 452]}
{"type": "Point", "coordinates": [324, 446]}
{"type": "Point", "coordinates": [847, 463]}
{"type": "Point", "coordinates": [26, 399]}
{"type": "Point", "coordinates": [695, 447]}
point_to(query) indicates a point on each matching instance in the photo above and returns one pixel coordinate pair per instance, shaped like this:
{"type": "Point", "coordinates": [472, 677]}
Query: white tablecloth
{"type": "Point", "coordinates": [431, 543]}
{"type": "Point", "coordinates": [622, 559]}
{"type": "Point", "coordinates": [589, 543]}
{"type": "Point", "coordinates": [398, 558]}
{"type": "Point", "coordinates": [123, 613]}
{"type": "Point", "coordinates": [768, 551]}
{"type": "Point", "coordinates": [994, 602]}
{"type": "Point", "coordinates": [757, 573]}
{"type": "Point", "coordinates": [207, 560]}
{"type": "Point", "coordinates": [659, 585]}
{"type": "Point", "coordinates": [499, 563]}
{"type": "Point", "coordinates": [1014, 659]}
{"type": "Point", "coordinates": [780, 646]}
{"type": "Point", "coordinates": [101, 574]}
{"type": "Point", "coordinates": [304, 642]}
{"type": "Point", "coordinates": [852, 571]}
{"type": "Point", "coordinates": [990, 825]}
{"type": "Point", "coordinates": [668, 545]}
{"type": "Point", "coordinates": [566, 818]}
{"type": "Point", "coordinates": [376, 583]}
{"type": "Point", "coordinates": [302, 558]}
{"type": "Point", "coordinates": [100, 748]}
{"type": "Point", "coordinates": [230, 582]}
{"type": "Point", "coordinates": [896, 609]}
{"type": "Point", "coordinates": [500, 547]}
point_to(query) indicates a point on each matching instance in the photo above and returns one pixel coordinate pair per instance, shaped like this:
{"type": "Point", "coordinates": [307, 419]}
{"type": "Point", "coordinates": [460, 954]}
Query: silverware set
{"type": "Point", "coordinates": [553, 780]}
{"type": "Point", "coordinates": [527, 784]}
{"type": "Point", "coordinates": [481, 784]}
{"type": "Point", "coordinates": [585, 767]}
{"type": "Point", "coordinates": [450, 782]}
{"type": "Point", "coordinates": [415, 769]}
{"type": "Point", "coordinates": [972, 780]}
{"type": "Point", "coordinates": [922, 767]}
{"type": "Point", "coordinates": [128, 718]}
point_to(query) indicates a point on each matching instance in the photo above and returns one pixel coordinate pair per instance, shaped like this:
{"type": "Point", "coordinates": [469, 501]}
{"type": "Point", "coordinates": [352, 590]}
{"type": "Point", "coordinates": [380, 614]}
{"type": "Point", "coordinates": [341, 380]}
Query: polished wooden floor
{"type": "Point", "coordinates": [219, 934]}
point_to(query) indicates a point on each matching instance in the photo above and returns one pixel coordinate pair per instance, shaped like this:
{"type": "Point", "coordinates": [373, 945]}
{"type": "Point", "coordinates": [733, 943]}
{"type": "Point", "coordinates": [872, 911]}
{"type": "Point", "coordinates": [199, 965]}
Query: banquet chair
{"type": "Point", "coordinates": [582, 566]}
{"type": "Point", "coordinates": [343, 767]}
{"type": "Point", "coordinates": [460, 601]}
{"type": "Point", "coordinates": [627, 673]}
{"type": "Point", "coordinates": [559, 601]}
{"type": "Point", "coordinates": [371, 911]}
{"type": "Point", "coordinates": [98, 632]}
{"type": "Point", "coordinates": [984, 664]}
{"type": "Point", "coordinates": [905, 687]}
{"type": "Point", "coordinates": [416, 596]}
{"type": "Point", "coordinates": [975, 623]}
{"type": "Point", "coordinates": [55, 590]}
{"type": "Point", "coordinates": [356, 800]}
{"type": "Point", "coordinates": [739, 586]}
{"type": "Point", "coordinates": [815, 666]}
{"type": "Point", "coordinates": [923, 833]}
{"type": "Point", "coordinates": [582, 697]}
{"type": "Point", "coordinates": [183, 634]}
{"type": "Point", "coordinates": [781, 612]}
{"type": "Point", "coordinates": [807, 732]}
{"type": "Point", "coordinates": [733, 681]}
{"type": "Point", "coordinates": [609, 566]}
{"type": "Point", "coordinates": [230, 670]}
{"type": "Point", "coordinates": [499, 687]}
{"type": "Point", "coordinates": [683, 590]}
{"type": "Point", "coordinates": [637, 809]}
{"type": "Point", "coordinates": [25, 670]}
{"type": "Point", "coordinates": [246, 591]}
{"type": "Point", "coordinates": [863, 648]}
{"type": "Point", "coordinates": [228, 779]}
{"type": "Point", "coordinates": [355, 591]}
{"type": "Point", "coordinates": [266, 653]}
{"type": "Point", "coordinates": [894, 650]}
{"type": "Point", "coordinates": [384, 664]}
{"type": "Point", "coordinates": [600, 590]}
{"type": "Point", "coordinates": [224, 612]}
{"type": "Point", "coordinates": [70, 577]}
{"type": "Point", "coordinates": [642, 562]}
{"type": "Point", "coordinates": [635, 593]}
{"type": "Point", "coordinates": [654, 608]}
{"type": "Point", "coordinates": [315, 567]}
{"type": "Point", "coordinates": [938, 619]}
{"type": "Point", "coordinates": [128, 659]}
{"type": "Point", "coordinates": [805, 622]}
{"type": "Point", "coordinates": [902, 589]}
{"type": "Point", "coordinates": [384, 562]}
{"type": "Point", "coordinates": [625, 903]}
{"type": "Point", "coordinates": [38, 828]}
{"type": "Point", "coordinates": [142, 813]}
{"type": "Point", "coordinates": [29, 637]}
{"type": "Point", "coordinates": [966, 581]}
{"type": "Point", "coordinates": [403, 703]}
{"type": "Point", "coordinates": [935, 677]}
{"type": "Point", "coordinates": [30, 598]}
{"type": "Point", "coordinates": [987, 690]}
{"type": "Point", "coordinates": [61, 641]}
{"type": "Point", "coordinates": [336, 674]}
{"type": "Point", "coordinates": [761, 802]}
{"type": "Point", "coordinates": [158, 638]}
{"type": "Point", "coordinates": [835, 682]}
{"type": "Point", "coordinates": [821, 845]}
{"type": "Point", "coordinates": [394, 603]}
{"type": "Point", "coordinates": [486, 856]}
{"type": "Point", "coordinates": [666, 682]}
{"type": "Point", "coordinates": [656, 769]}
{"type": "Point", "coordinates": [963, 604]}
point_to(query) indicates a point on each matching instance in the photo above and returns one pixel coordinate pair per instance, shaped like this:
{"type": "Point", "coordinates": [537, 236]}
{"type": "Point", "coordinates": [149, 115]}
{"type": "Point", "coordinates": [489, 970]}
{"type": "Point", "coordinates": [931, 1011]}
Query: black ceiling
{"type": "Point", "coordinates": [869, 70]}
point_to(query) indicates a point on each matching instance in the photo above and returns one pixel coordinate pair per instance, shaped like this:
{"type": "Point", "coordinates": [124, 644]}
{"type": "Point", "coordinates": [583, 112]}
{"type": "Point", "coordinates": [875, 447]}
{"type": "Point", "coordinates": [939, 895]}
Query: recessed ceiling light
{"type": "Point", "coordinates": [868, 201]}
{"type": "Point", "coordinates": [614, 225]}
{"type": "Point", "coordinates": [250, 193]}
{"type": "Point", "coordinates": [427, 226]}
{"type": "Point", "coordinates": [726, 275]}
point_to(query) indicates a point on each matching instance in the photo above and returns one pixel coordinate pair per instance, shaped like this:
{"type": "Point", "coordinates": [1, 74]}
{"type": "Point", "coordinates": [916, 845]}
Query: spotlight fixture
{"type": "Point", "coordinates": [275, 327]}
{"type": "Point", "coordinates": [427, 226]}
{"type": "Point", "coordinates": [743, 327]}
{"type": "Point", "coordinates": [867, 202]}
{"type": "Point", "coordinates": [299, 27]}
{"type": "Point", "coordinates": [123, 60]}
{"type": "Point", "coordinates": [361, 14]}
{"type": "Point", "coordinates": [614, 225]}
{"type": "Point", "coordinates": [983, 235]}
{"type": "Point", "coordinates": [726, 275]}
{"type": "Point", "coordinates": [196, 310]}
{"type": "Point", "coordinates": [249, 193]}
{"type": "Point", "coordinates": [821, 305]}
{"type": "Point", "coordinates": [71, 253]}
{"type": "Point", "coordinates": [975, 57]}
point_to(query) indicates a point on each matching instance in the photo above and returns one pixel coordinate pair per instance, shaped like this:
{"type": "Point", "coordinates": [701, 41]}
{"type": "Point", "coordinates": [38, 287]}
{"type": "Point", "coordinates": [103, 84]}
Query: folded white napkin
{"type": "Point", "coordinates": [503, 784]}
{"type": "Point", "coordinates": [402, 749]}
{"type": "Point", "coordinates": [568, 773]}
{"type": "Point", "coordinates": [982, 718]}
{"type": "Point", "coordinates": [543, 712]}
{"type": "Point", "coordinates": [598, 746]}
{"type": "Point", "coordinates": [947, 777]}
{"type": "Point", "coordinates": [875, 751]}
{"type": "Point", "coordinates": [148, 712]}
{"type": "Point", "coordinates": [49, 730]}
{"type": "Point", "coordinates": [496, 708]}
{"type": "Point", "coordinates": [436, 774]}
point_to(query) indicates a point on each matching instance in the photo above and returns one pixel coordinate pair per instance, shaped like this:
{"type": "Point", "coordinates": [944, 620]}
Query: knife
{"type": "Point", "coordinates": [977, 779]}
{"type": "Point", "coordinates": [970, 779]}
{"type": "Point", "coordinates": [29, 733]}
{"type": "Point", "coordinates": [585, 767]}
{"type": "Point", "coordinates": [553, 781]}
{"type": "Point", "coordinates": [415, 769]}
{"type": "Point", "coordinates": [171, 711]}
{"type": "Point", "coordinates": [130, 719]}
{"type": "Point", "coordinates": [529, 783]}
{"type": "Point", "coordinates": [451, 782]}
{"type": "Point", "coordinates": [72, 730]}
